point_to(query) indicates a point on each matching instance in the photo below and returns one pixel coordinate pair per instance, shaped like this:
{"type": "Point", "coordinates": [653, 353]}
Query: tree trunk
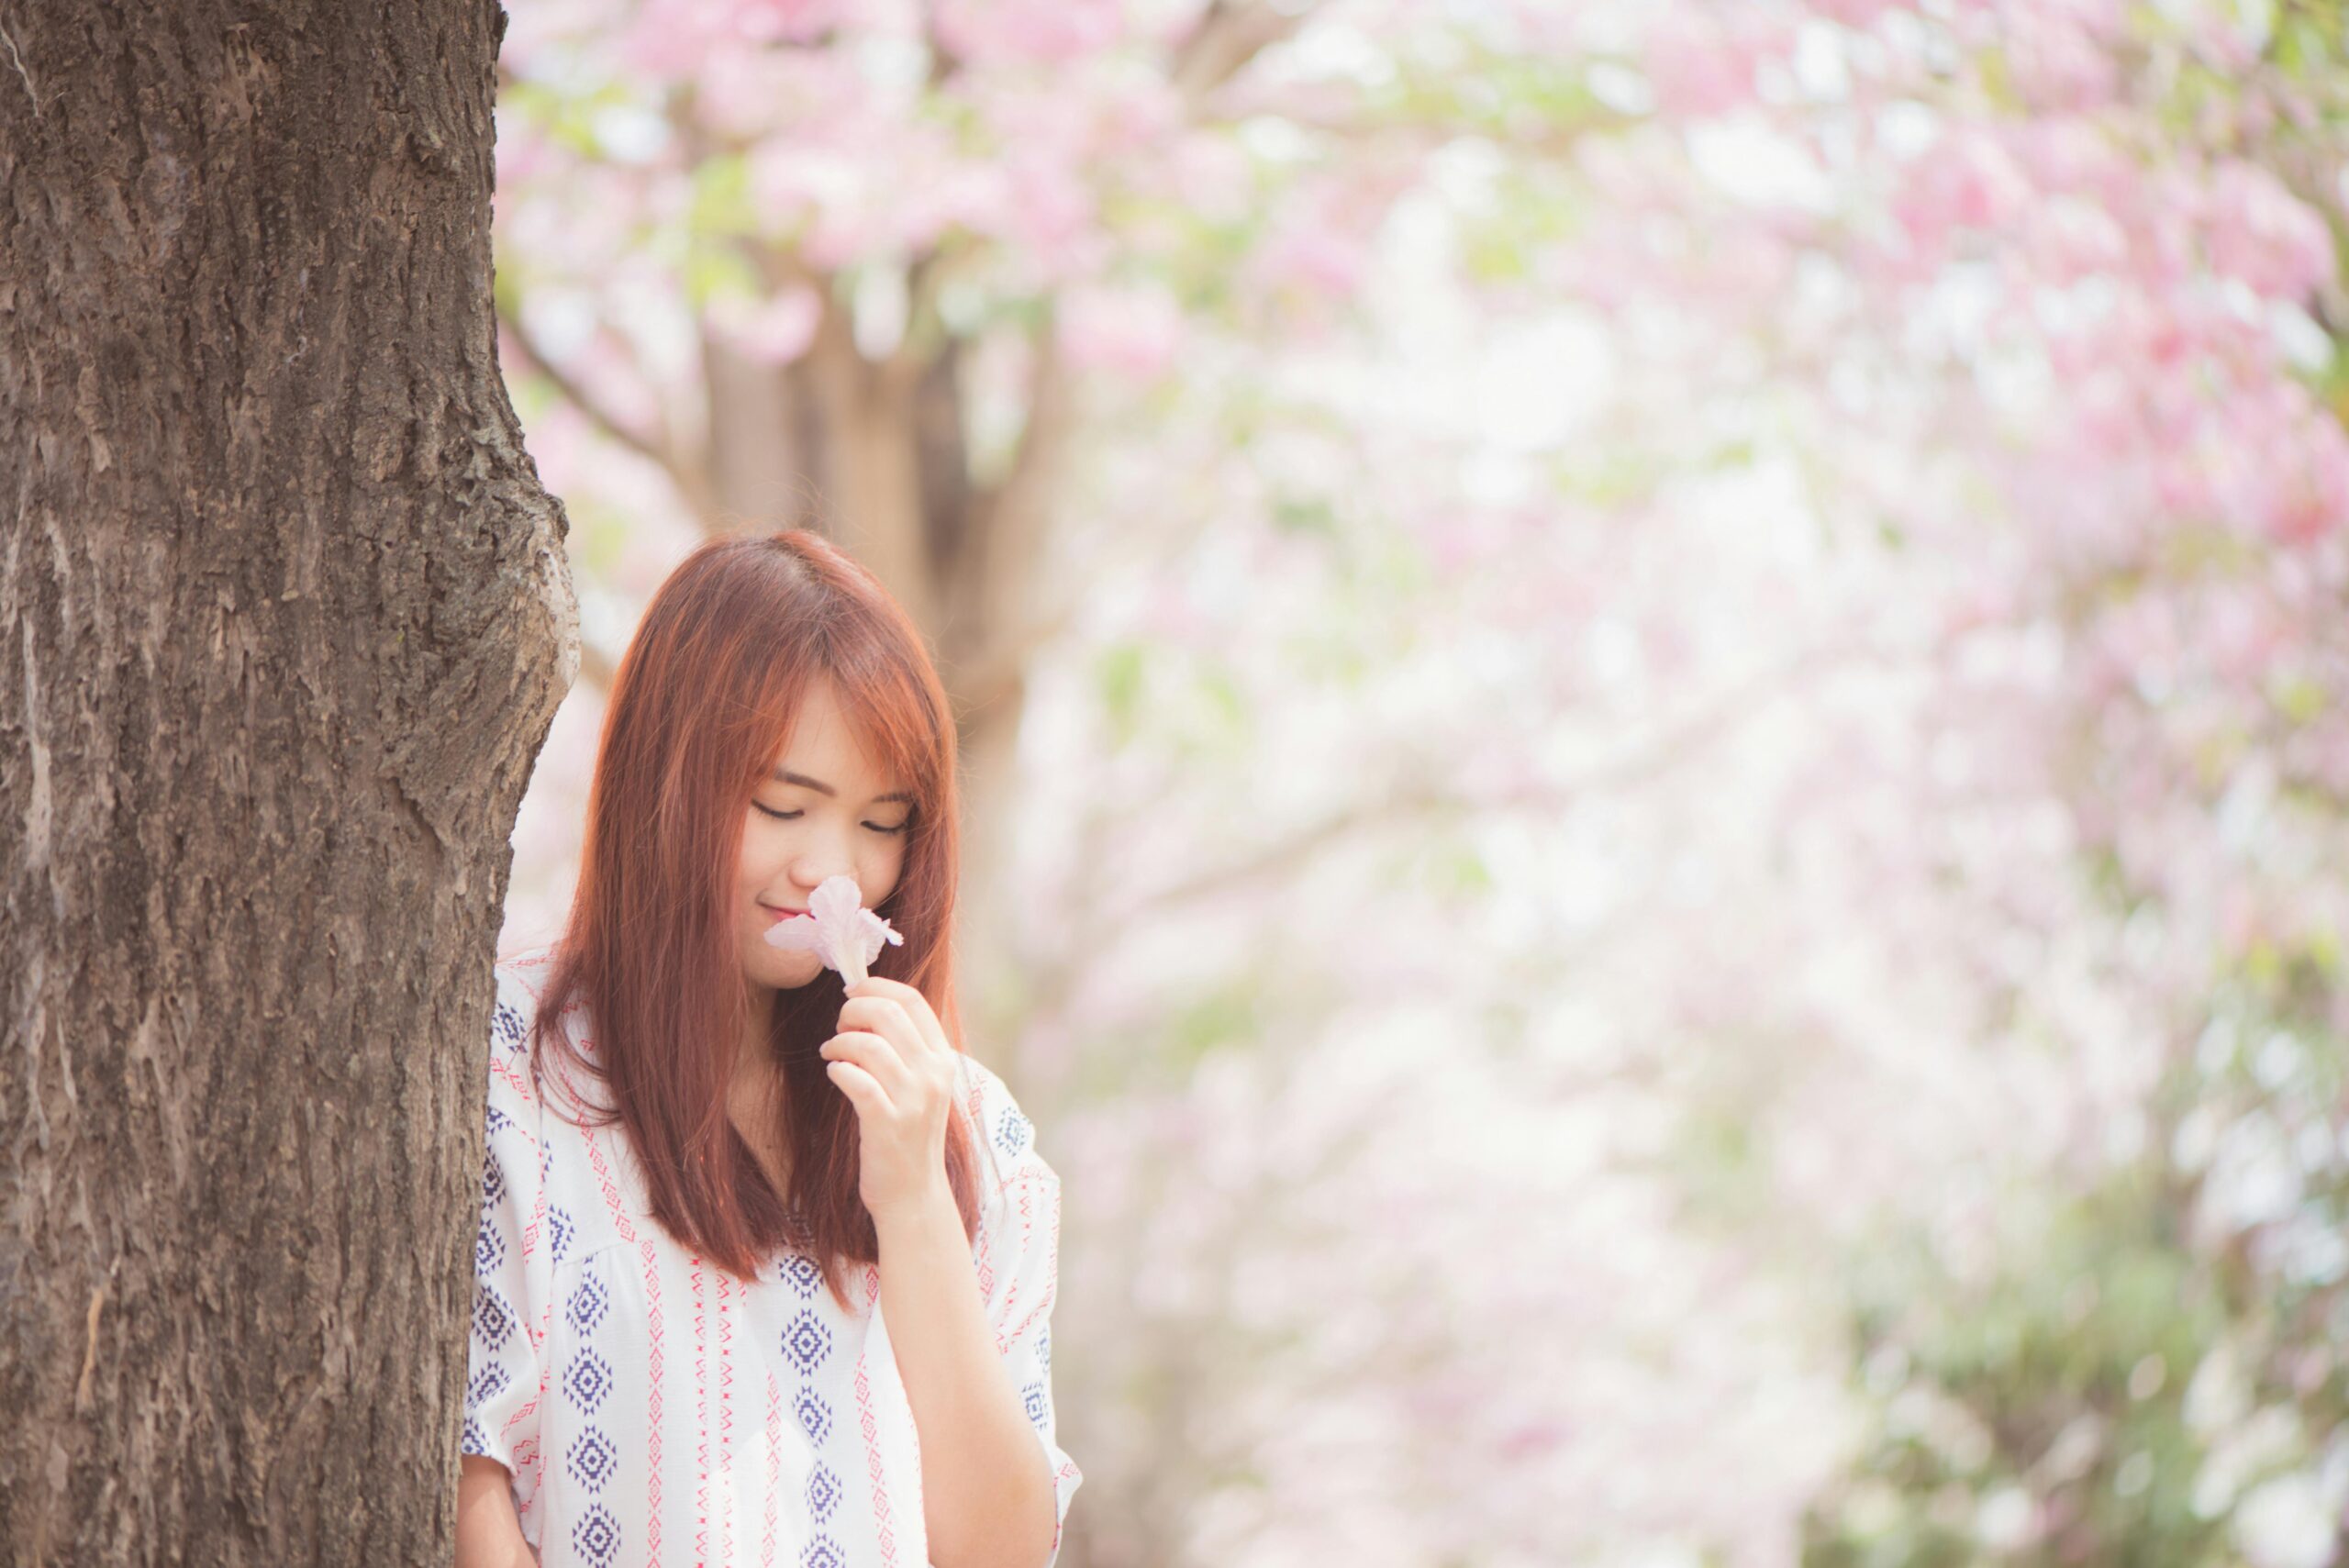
{"type": "Point", "coordinates": [287, 618]}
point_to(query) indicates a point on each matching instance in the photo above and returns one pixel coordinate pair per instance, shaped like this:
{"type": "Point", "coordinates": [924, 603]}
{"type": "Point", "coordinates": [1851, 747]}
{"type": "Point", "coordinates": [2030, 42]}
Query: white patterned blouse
{"type": "Point", "coordinates": [653, 1409]}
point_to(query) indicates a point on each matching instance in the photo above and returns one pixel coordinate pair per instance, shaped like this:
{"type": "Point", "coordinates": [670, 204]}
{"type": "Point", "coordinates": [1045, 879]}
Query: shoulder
{"type": "Point", "coordinates": [522, 981]}
{"type": "Point", "coordinates": [513, 1008]}
{"type": "Point", "coordinates": [986, 1097]}
{"type": "Point", "coordinates": [513, 1094]}
{"type": "Point", "coordinates": [1020, 1193]}
{"type": "Point", "coordinates": [1006, 1136]}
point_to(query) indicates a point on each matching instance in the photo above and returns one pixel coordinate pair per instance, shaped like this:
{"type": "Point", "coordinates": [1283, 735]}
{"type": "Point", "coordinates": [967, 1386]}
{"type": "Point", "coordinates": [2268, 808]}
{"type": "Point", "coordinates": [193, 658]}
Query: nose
{"type": "Point", "coordinates": [812, 872]}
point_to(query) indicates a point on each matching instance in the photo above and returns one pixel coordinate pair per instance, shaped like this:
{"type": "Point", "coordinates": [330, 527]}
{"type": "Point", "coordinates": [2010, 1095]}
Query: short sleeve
{"type": "Point", "coordinates": [512, 1277]}
{"type": "Point", "coordinates": [1019, 1259]}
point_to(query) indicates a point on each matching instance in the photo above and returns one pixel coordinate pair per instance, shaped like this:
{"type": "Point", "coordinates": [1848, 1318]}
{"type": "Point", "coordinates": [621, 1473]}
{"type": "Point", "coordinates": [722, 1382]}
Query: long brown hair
{"type": "Point", "coordinates": [704, 699]}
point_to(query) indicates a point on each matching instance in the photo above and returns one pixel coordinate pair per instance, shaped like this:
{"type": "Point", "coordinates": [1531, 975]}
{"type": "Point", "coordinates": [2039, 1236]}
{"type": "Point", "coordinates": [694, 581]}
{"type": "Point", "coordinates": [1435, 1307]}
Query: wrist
{"type": "Point", "coordinates": [931, 1210]}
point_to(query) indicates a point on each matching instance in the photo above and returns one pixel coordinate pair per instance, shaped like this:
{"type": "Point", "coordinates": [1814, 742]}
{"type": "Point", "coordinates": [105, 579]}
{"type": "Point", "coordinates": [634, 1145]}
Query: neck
{"type": "Point", "coordinates": [753, 1062]}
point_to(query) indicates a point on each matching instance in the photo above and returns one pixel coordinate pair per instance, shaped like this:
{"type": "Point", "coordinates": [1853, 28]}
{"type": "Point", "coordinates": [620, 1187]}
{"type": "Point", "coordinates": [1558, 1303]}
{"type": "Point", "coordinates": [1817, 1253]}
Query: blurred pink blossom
{"type": "Point", "coordinates": [672, 38]}
{"type": "Point", "coordinates": [1132, 331]}
{"type": "Point", "coordinates": [1968, 183]}
{"type": "Point", "coordinates": [1049, 31]}
{"type": "Point", "coordinates": [774, 331]}
{"type": "Point", "coordinates": [2262, 233]}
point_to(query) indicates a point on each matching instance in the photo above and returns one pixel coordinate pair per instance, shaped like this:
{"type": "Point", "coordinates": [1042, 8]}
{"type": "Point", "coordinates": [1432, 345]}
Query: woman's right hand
{"type": "Point", "coordinates": [488, 1533]}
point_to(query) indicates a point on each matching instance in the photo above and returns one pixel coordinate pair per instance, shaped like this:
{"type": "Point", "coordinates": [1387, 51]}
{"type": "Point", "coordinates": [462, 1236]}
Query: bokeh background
{"type": "Point", "coordinates": [1655, 695]}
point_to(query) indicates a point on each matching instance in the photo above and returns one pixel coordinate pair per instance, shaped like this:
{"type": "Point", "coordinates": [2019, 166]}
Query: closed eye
{"type": "Point", "coordinates": [794, 815]}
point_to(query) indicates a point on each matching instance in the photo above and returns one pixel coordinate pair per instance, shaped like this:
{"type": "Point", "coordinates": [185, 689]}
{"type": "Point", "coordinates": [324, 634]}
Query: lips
{"type": "Point", "coordinates": [775, 914]}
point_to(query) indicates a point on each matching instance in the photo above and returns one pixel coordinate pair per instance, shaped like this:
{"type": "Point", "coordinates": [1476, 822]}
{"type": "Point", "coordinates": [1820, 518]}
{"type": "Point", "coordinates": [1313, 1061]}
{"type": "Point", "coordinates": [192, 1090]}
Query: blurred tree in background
{"type": "Point", "coordinates": [1654, 694]}
{"type": "Point", "coordinates": [2139, 1364]}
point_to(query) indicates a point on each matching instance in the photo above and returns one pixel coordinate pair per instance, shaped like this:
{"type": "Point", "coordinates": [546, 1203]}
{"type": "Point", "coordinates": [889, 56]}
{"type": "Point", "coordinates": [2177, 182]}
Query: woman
{"type": "Point", "coordinates": [766, 1267]}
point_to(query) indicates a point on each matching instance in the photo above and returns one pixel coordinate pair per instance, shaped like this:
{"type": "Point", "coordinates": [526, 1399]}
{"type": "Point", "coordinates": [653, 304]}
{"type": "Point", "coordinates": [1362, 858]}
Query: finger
{"type": "Point", "coordinates": [889, 1018]}
{"type": "Point", "coordinates": [875, 1055]}
{"type": "Point", "coordinates": [916, 1004]}
{"type": "Point", "coordinates": [863, 1093]}
{"type": "Point", "coordinates": [916, 1077]}
{"type": "Point", "coordinates": [898, 1023]}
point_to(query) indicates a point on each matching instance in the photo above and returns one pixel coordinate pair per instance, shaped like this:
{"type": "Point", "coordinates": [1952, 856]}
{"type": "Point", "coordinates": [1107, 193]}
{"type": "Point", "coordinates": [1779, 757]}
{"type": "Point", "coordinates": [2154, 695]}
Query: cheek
{"type": "Point", "coordinates": [882, 871]}
{"type": "Point", "coordinates": [761, 862]}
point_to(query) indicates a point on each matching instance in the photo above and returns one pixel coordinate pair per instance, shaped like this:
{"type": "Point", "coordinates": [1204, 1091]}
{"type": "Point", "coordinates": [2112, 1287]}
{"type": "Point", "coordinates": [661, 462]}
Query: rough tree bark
{"type": "Point", "coordinates": [287, 616]}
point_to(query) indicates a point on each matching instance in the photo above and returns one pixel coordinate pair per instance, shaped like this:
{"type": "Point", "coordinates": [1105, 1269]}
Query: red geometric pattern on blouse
{"type": "Point", "coordinates": [701, 1422]}
{"type": "Point", "coordinates": [725, 1413]}
{"type": "Point", "coordinates": [866, 1419]}
{"type": "Point", "coordinates": [977, 1106]}
{"type": "Point", "coordinates": [1028, 1230]}
{"type": "Point", "coordinates": [775, 1465]}
{"type": "Point", "coordinates": [653, 1405]}
{"type": "Point", "coordinates": [653, 1318]}
{"type": "Point", "coordinates": [526, 1448]}
{"type": "Point", "coordinates": [1067, 1472]}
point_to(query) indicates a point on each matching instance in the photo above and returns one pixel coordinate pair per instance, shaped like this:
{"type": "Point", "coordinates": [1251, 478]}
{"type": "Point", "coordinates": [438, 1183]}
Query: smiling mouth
{"type": "Point", "coordinates": [780, 913]}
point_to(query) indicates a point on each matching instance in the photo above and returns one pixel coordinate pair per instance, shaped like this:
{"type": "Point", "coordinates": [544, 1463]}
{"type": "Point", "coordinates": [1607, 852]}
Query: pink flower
{"type": "Point", "coordinates": [1055, 31]}
{"type": "Point", "coordinates": [671, 39]}
{"type": "Point", "coordinates": [1130, 331]}
{"type": "Point", "coordinates": [2262, 233]}
{"type": "Point", "coordinates": [838, 929]}
{"type": "Point", "coordinates": [773, 331]}
{"type": "Point", "coordinates": [1969, 183]}
{"type": "Point", "coordinates": [1702, 66]}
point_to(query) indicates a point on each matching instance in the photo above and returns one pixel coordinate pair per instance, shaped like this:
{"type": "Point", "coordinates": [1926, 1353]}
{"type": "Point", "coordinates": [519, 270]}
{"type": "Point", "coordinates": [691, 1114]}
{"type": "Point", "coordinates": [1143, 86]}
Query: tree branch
{"type": "Point", "coordinates": [1678, 742]}
{"type": "Point", "coordinates": [1228, 36]}
{"type": "Point", "coordinates": [691, 486]}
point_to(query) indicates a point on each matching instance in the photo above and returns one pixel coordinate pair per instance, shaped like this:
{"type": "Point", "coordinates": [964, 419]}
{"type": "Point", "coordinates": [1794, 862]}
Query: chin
{"type": "Point", "coordinates": [790, 971]}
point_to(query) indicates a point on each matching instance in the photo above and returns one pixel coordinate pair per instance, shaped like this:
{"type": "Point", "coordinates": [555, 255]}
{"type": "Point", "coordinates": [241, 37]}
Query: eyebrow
{"type": "Point", "coordinates": [785, 775]}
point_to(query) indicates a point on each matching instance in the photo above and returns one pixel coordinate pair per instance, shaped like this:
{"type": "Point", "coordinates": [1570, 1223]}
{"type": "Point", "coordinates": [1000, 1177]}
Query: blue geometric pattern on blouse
{"type": "Point", "coordinates": [589, 1379]}
{"type": "Point", "coordinates": [506, 1025]}
{"type": "Point", "coordinates": [805, 1342]}
{"type": "Point", "coordinates": [493, 1319]}
{"type": "Point", "coordinates": [474, 1439]}
{"type": "Point", "coordinates": [486, 1382]}
{"type": "Point", "coordinates": [588, 1300]}
{"type": "Point", "coordinates": [815, 1415]}
{"type": "Point", "coordinates": [489, 1246]}
{"type": "Point", "coordinates": [1044, 1347]}
{"type": "Point", "coordinates": [801, 1273]}
{"type": "Point", "coordinates": [596, 1535]}
{"type": "Point", "coordinates": [559, 1222]}
{"type": "Point", "coordinates": [1011, 1131]}
{"type": "Point", "coordinates": [824, 1493]}
{"type": "Point", "coordinates": [1037, 1409]}
{"type": "Point", "coordinates": [492, 1179]}
{"type": "Point", "coordinates": [592, 1459]}
{"type": "Point", "coordinates": [494, 1120]}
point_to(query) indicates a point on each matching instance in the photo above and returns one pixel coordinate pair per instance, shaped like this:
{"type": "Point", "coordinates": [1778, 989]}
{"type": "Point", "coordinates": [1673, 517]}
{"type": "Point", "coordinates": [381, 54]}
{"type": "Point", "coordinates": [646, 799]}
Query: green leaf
{"type": "Point", "coordinates": [1118, 672]}
{"type": "Point", "coordinates": [721, 202]}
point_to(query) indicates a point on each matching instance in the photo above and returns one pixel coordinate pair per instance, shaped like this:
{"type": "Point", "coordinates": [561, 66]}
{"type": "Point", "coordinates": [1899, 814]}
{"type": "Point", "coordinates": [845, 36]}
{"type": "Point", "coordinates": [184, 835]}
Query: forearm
{"type": "Point", "coordinates": [488, 1533]}
{"type": "Point", "coordinates": [987, 1495]}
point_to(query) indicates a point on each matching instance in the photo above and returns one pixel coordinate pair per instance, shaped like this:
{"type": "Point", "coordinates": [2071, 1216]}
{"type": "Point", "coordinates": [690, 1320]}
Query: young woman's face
{"type": "Point", "coordinates": [826, 811]}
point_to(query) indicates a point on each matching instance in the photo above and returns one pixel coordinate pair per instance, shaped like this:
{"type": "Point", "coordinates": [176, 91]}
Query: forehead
{"type": "Point", "coordinates": [824, 745]}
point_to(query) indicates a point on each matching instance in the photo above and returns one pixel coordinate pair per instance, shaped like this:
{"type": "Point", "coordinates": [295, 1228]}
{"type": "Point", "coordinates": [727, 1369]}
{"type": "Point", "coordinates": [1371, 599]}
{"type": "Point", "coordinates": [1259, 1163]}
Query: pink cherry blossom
{"type": "Point", "coordinates": [2260, 232]}
{"type": "Point", "coordinates": [774, 331]}
{"type": "Point", "coordinates": [1133, 331]}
